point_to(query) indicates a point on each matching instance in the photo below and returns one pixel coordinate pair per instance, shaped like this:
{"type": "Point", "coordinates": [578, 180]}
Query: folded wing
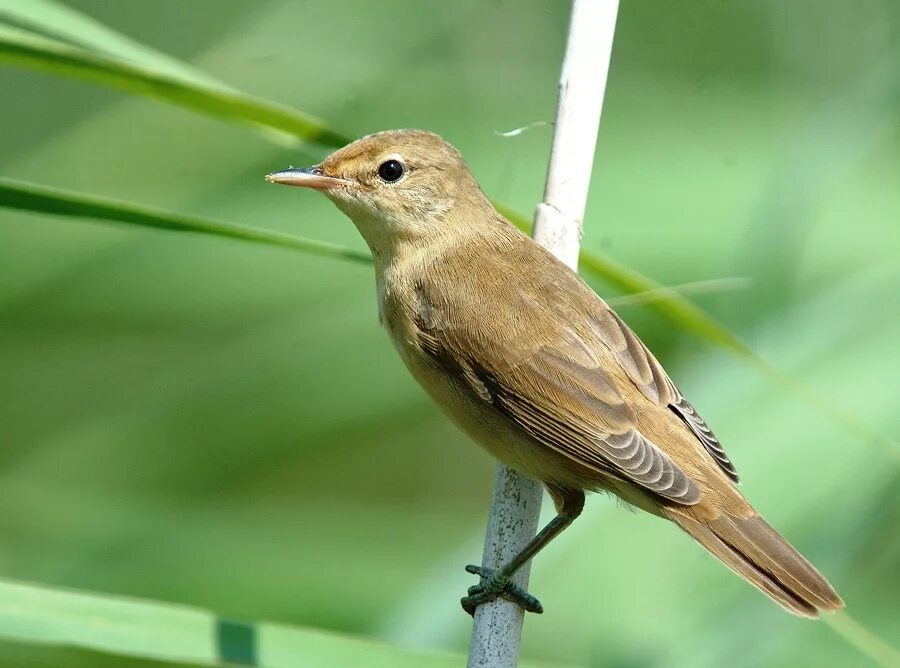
{"type": "Point", "coordinates": [555, 389]}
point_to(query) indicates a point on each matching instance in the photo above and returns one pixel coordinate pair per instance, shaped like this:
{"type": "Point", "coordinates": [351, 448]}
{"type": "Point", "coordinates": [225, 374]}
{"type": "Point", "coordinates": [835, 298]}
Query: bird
{"type": "Point", "coordinates": [529, 362]}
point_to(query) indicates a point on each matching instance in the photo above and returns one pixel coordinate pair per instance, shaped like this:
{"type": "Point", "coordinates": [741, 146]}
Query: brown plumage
{"type": "Point", "coordinates": [534, 366]}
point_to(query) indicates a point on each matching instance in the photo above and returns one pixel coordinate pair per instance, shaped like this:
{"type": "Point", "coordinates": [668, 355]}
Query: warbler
{"type": "Point", "coordinates": [530, 363]}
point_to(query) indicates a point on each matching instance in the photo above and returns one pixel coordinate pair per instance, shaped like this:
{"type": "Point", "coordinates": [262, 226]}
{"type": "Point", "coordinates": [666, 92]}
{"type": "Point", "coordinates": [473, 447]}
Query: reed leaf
{"type": "Point", "coordinates": [41, 199]}
{"type": "Point", "coordinates": [18, 47]}
{"type": "Point", "coordinates": [181, 634]}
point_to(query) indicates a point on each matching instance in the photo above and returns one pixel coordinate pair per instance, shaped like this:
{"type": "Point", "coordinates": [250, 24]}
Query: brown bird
{"type": "Point", "coordinates": [529, 362]}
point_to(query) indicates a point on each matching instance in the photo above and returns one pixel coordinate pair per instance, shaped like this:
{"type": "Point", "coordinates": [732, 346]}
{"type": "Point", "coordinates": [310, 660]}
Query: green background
{"type": "Point", "coordinates": [224, 425]}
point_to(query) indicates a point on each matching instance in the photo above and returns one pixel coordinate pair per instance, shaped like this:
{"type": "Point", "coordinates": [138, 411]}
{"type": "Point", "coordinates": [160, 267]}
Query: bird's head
{"type": "Point", "coordinates": [394, 185]}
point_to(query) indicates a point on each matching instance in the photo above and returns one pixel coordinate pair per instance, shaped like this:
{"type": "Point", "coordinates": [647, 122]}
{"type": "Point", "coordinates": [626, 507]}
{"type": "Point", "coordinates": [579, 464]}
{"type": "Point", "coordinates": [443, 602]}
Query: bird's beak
{"type": "Point", "coordinates": [307, 177]}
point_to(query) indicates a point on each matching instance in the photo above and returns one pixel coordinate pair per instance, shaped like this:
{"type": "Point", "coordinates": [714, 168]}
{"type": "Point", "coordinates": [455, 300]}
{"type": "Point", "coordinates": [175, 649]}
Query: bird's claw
{"type": "Point", "coordinates": [493, 586]}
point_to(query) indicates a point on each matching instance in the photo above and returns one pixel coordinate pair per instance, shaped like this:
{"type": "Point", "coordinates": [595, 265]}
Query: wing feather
{"type": "Point", "coordinates": [683, 409]}
{"type": "Point", "coordinates": [559, 393]}
{"type": "Point", "coordinates": [652, 380]}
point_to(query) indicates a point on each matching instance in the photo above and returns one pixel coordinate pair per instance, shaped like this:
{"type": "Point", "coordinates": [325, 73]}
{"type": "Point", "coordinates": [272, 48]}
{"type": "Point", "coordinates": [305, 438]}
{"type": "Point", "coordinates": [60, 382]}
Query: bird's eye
{"type": "Point", "coordinates": [390, 171]}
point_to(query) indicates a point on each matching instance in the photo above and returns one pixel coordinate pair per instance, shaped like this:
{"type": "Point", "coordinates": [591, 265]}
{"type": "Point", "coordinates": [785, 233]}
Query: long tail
{"type": "Point", "coordinates": [758, 553]}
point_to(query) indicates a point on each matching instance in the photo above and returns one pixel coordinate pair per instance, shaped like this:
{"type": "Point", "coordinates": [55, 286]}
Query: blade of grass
{"type": "Point", "coordinates": [41, 199]}
{"type": "Point", "coordinates": [709, 286]}
{"type": "Point", "coordinates": [18, 47]}
{"type": "Point", "coordinates": [65, 24]}
{"type": "Point", "coordinates": [869, 644]}
{"type": "Point", "coordinates": [174, 633]}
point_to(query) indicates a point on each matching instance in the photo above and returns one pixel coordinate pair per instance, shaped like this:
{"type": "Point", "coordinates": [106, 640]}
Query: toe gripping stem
{"type": "Point", "coordinates": [498, 583]}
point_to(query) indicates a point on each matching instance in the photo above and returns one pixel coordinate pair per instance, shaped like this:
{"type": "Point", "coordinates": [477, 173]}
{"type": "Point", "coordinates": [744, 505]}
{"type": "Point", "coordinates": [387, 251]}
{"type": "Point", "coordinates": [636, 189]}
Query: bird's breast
{"type": "Point", "coordinates": [396, 309]}
{"type": "Point", "coordinates": [475, 414]}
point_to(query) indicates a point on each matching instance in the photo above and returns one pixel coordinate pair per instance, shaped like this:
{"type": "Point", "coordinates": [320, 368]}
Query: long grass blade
{"type": "Point", "coordinates": [705, 287]}
{"type": "Point", "coordinates": [864, 640]}
{"type": "Point", "coordinates": [17, 47]}
{"type": "Point", "coordinates": [180, 634]}
{"type": "Point", "coordinates": [65, 24]}
{"type": "Point", "coordinates": [41, 199]}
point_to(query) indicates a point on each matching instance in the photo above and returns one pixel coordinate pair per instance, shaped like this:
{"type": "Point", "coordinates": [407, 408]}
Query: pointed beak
{"type": "Point", "coordinates": [307, 177]}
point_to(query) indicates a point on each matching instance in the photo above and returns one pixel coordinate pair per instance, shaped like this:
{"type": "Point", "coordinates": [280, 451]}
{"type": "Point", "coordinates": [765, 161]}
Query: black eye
{"type": "Point", "coordinates": [390, 171]}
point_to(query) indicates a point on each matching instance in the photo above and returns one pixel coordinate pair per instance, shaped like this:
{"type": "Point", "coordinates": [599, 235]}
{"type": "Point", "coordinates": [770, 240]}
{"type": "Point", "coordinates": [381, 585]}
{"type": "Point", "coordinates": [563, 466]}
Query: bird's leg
{"type": "Point", "coordinates": [569, 503]}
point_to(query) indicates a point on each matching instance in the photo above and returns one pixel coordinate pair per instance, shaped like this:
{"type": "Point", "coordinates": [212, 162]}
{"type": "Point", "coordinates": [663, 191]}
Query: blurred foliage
{"type": "Point", "coordinates": [222, 425]}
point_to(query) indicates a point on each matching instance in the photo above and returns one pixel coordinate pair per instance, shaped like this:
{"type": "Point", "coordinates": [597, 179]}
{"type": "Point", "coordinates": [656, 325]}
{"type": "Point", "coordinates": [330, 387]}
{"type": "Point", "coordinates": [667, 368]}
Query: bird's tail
{"type": "Point", "coordinates": [758, 553]}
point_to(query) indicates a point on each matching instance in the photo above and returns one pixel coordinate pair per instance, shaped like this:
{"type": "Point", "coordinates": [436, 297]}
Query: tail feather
{"type": "Point", "coordinates": [755, 551]}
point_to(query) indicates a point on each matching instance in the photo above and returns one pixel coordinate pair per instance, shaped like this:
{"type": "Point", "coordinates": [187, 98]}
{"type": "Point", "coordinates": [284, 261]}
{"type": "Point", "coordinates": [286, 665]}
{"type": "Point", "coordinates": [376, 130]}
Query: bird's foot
{"type": "Point", "coordinates": [492, 586]}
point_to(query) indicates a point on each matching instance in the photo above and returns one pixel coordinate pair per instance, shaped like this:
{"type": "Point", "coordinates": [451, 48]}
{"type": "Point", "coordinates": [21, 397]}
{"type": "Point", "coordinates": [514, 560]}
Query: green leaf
{"type": "Point", "coordinates": [869, 644]}
{"type": "Point", "coordinates": [41, 199]}
{"type": "Point", "coordinates": [18, 47]}
{"type": "Point", "coordinates": [165, 632]}
{"type": "Point", "coordinates": [160, 631]}
{"type": "Point", "coordinates": [65, 24]}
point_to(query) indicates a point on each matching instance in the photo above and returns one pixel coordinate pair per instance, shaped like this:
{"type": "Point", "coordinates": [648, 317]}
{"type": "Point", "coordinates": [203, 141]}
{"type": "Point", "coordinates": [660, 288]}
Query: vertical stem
{"type": "Point", "coordinates": [516, 502]}
{"type": "Point", "coordinates": [515, 510]}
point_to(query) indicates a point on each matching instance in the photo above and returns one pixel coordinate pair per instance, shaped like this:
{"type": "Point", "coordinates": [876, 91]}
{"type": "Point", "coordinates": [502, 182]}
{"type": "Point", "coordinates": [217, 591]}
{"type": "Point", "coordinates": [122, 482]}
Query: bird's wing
{"type": "Point", "coordinates": [652, 380]}
{"type": "Point", "coordinates": [562, 388]}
